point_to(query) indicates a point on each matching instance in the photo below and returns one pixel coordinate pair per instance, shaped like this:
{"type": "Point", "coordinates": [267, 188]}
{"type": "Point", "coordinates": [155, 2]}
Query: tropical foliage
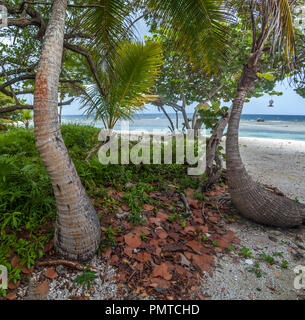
{"type": "Point", "coordinates": [128, 84]}
{"type": "Point", "coordinates": [209, 52]}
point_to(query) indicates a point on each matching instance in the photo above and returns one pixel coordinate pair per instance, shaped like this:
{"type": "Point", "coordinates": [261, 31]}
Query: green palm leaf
{"type": "Point", "coordinates": [197, 24]}
{"type": "Point", "coordinates": [136, 67]}
{"type": "Point", "coordinates": [286, 28]}
{"type": "Point", "coordinates": [128, 83]}
{"type": "Point", "coordinates": [109, 23]}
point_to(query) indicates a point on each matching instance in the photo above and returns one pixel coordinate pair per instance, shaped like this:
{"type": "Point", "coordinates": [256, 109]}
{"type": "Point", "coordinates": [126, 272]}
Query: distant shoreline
{"type": "Point", "coordinates": [189, 114]}
{"type": "Point", "coordinates": [274, 127]}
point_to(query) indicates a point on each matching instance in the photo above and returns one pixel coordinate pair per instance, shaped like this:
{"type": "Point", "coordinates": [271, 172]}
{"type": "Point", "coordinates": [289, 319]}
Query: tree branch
{"type": "Point", "coordinates": [23, 9]}
{"type": "Point", "coordinates": [87, 55]}
{"type": "Point", "coordinates": [16, 107]}
{"type": "Point", "coordinates": [18, 71]}
{"type": "Point", "coordinates": [29, 107]}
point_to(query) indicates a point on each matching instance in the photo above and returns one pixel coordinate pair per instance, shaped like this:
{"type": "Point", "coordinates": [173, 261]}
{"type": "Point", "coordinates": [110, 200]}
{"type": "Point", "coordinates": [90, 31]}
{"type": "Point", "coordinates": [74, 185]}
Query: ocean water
{"type": "Point", "coordinates": [275, 126]}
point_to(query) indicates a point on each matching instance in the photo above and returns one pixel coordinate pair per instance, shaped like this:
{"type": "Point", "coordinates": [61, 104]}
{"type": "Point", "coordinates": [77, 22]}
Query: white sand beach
{"type": "Point", "coordinates": [280, 163]}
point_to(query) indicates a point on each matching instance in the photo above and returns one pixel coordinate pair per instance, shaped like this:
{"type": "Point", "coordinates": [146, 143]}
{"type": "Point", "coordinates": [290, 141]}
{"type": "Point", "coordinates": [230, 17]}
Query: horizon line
{"type": "Point", "coordinates": [246, 114]}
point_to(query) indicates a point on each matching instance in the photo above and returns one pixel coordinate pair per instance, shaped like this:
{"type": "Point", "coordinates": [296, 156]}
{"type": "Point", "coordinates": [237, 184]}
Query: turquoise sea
{"type": "Point", "coordinates": [275, 126]}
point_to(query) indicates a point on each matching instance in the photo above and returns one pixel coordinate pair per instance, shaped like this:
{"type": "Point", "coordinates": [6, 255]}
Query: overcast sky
{"type": "Point", "coordinates": [288, 104]}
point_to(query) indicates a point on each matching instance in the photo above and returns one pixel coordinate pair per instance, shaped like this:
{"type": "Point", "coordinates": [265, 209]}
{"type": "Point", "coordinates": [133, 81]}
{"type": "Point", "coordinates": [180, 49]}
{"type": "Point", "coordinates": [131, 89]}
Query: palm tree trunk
{"type": "Point", "coordinates": [249, 197]}
{"type": "Point", "coordinates": [77, 232]}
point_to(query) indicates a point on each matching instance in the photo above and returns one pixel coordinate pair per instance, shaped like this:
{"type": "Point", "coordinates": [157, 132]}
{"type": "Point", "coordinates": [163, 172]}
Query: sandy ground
{"type": "Point", "coordinates": [236, 277]}
{"type": "Point", "coordinates": [280, 163]}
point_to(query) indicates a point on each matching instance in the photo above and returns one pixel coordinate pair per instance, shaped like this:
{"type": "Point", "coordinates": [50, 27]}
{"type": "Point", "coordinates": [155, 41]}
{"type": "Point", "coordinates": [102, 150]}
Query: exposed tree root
{"type": "Point", "coordinates": [264, 206]}
{"type": "Point", "coordinates": [223, 199]}
{"type": "Point", "coordinates": [66, 263]}
{"type": "Point", "coordinates": [61, 262]}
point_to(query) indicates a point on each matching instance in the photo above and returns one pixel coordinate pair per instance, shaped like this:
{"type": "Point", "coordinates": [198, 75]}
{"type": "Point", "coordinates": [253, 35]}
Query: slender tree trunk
{"type": "Point", "coordinates": [249, 197]}
{"type": "Point", "coordinates": [77, 234]}
{"type": "Point", "coordinates": [177, 120]}
{"type": "Point", "coordinates": [168, 117]}
{"type": "Point", "coordinates": [183, 110]}
{"type": "Point", "coordinates": [212, 173]}
{"type": "Point", "coordinates": [186, 120]}
{"type": "Point", "coordinates": [195, 118]}
{"type": "Point", "coordinates": [197, 127]}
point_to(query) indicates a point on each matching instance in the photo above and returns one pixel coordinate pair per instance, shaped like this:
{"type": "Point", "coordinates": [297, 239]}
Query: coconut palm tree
{"type": "Point", "coordinates": [271, 21]}
{"type": "Point", "coordinates": [128, 83]}
{"type": "Point", "coordinates": [77, 234]}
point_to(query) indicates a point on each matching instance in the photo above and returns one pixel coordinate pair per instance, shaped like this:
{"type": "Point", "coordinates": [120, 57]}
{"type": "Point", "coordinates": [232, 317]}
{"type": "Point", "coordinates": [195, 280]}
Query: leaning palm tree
{"type": "Point", "coordinates": [272, 25]}
{"type": "Point", "coordinates": [77, 233]}
{"type": "Point", "coordinates": [128, 83]}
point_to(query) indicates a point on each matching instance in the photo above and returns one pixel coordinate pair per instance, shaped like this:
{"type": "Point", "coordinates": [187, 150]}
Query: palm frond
{"type": "Point", "coordinates": [277, 26]}
{"type": "Point", "coordinates": [287, 28]}
{"type": "Point", "coordinates": [109, 23]}
{"type": "Point", "coordinates": [128, 83]}
{"type": "Point", "coordinates": [136, 66]}
{"type": "Point", "coordinates": [197, 24]}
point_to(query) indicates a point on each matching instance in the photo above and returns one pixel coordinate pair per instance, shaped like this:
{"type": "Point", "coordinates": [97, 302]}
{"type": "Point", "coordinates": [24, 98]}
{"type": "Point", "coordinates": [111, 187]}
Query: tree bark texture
{"type": "Point", "coordinates": [249, 197]}
{"type": "Point", "coordinates": [77, 232]}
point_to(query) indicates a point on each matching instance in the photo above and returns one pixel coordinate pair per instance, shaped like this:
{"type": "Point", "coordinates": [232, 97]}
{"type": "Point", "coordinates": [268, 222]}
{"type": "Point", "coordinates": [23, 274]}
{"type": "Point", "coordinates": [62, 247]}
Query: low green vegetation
{"type": "Point", "coordinates": [256, 270]}
{"type": "Point", "coordinates": [27, 203]}
{"type": "Point", "coordinates": [246, 252]}
{"type": "Point", "coordinates": [87, 278]}
{"type": "Point", "coordinates": [108, 239]}
{"type": "Point", "coordinates": [267, 258]}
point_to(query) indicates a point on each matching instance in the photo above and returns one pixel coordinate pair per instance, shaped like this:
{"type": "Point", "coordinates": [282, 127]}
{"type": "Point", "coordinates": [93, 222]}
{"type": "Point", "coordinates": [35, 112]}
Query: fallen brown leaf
{"type": "Point", "coordinates": [43, 288]}
{"type": "Point", "coordinates": [162, 271]}
{"type": "Point", "coordinates": [148, 207]}
{"type": "Point", "coordinates": [133, 240]}
{"type": "Point", "coordinates": [12, 285]}
{"type": "Point", "coordinates": [11, 296]}
{"type": "Point", "coordinates": [15, 261]}
{"type": "Point", "coordinates": [162, 234]}
{"type": "Point", "coordinates": [204, 262]}
{"type": "Point", "coordinates": [25, 270]}
{"type": "Point", "coordinates": [50, 273]}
